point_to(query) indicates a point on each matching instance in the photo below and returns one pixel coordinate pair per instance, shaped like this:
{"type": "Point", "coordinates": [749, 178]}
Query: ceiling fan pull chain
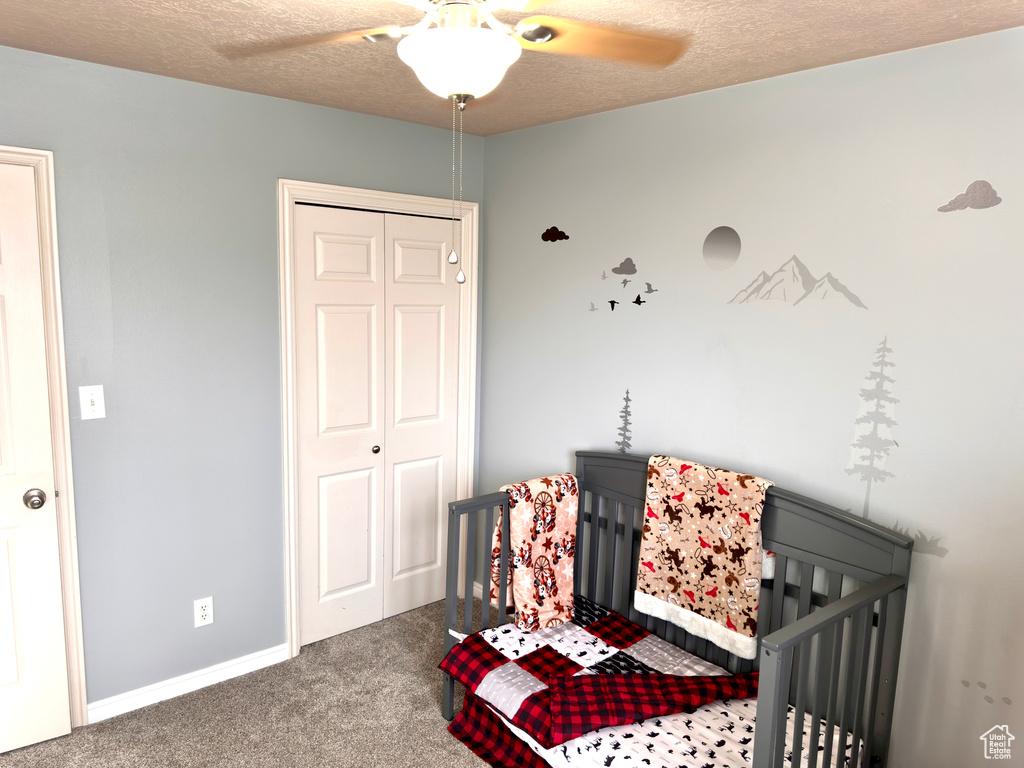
{"type": "Point", "coordinates": [453, 257]}
{"type": "Point", "coordinates": [461, 276]}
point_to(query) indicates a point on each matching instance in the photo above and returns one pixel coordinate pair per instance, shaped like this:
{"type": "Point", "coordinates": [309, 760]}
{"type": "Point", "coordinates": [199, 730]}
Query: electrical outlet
{"type": "Point", "coordinates": [204, 611]}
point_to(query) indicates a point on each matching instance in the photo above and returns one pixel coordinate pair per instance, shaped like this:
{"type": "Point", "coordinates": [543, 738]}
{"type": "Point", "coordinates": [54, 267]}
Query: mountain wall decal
{"type": "Point", "coordinates": [793, 283]}
{"type": "Point", "coordinates": [750, 290]}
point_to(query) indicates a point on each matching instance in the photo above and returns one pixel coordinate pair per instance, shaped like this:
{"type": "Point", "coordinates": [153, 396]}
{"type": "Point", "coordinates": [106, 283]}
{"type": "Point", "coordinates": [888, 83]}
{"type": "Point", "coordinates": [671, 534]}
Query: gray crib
{"type": "Point", "coordinates": [829, 624]}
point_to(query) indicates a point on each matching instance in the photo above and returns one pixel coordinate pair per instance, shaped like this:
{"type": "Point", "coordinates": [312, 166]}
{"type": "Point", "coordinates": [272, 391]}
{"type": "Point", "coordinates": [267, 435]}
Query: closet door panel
{"type": "Point", "coordinates": [340, 328]}
{"type": "Point", "coordinates": [419, 364]}
{"type": "Point", "coordinates": [346, 380]}
{"type": "Point", "coordinates": [422, 307]}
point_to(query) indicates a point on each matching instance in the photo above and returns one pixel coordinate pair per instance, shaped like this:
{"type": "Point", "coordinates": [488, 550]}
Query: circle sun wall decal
{"type": "Point", "coordinates": [721, 248]}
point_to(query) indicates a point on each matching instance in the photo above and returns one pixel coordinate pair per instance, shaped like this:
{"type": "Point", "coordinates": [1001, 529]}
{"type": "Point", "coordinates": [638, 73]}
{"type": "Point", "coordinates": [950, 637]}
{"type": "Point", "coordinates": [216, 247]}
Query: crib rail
{"type": "Point", "coordinates": [470, 523]}
{"type": "Point", "coordinates": [841, 662]}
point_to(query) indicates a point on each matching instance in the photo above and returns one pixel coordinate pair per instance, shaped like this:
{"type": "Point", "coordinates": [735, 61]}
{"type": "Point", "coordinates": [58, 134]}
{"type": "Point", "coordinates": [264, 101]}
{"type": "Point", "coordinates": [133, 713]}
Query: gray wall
{"type": "Point", "coordinates": [844, 167]}
{"type": "Point", "coordinates": [167, 229]}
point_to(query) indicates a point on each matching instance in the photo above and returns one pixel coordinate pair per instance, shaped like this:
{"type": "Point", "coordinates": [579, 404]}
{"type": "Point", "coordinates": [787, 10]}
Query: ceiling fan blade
{"type": "Point", "coordinates": [246, 50]}
{"type": "Point", "coordinates": [525, 6]}
{"type": "Point", "coordinates": [574, 38]}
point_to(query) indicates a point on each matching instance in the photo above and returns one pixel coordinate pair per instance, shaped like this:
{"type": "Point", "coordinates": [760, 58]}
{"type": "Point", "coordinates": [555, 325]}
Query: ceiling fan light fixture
{"type": "Point", "coordinates": [459, 60]}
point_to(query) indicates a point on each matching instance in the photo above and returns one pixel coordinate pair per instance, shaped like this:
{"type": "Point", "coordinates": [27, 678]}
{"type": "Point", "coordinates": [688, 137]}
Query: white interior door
{"type": "Point", "coordinates": [34, 700]}
{"type": "Point", "coordinates": [339, 356]}
{"type": "Point", "coordinates": [421, 408]}
{"type": "Point", "coordinates": [377, 362]}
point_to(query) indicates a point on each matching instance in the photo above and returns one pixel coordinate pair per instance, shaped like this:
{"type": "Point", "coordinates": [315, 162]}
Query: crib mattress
{"type": "Point", "coordinates": [720, 735]}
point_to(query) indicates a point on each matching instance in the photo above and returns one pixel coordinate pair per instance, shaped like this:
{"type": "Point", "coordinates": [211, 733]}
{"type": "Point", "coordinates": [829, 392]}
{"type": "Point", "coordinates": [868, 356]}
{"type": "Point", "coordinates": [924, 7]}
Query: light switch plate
{"type": "Point", "coordinates": [91, 399]}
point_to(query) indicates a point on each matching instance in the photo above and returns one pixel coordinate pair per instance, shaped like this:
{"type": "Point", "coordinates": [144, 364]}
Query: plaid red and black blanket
{"type": "Point", "coordinates": [488, 736]}
{"type": "Point", "coordinates": [599, 670]}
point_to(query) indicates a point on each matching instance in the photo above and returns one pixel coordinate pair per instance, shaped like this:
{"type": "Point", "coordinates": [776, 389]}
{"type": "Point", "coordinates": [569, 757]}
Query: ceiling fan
{"type": "Point", "coordinates": [460, 50]}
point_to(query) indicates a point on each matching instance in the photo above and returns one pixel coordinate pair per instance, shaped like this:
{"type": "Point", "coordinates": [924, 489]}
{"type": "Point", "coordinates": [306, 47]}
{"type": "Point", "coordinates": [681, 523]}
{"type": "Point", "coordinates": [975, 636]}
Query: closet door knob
{"type": "Point", "coordinates": [376, 449]}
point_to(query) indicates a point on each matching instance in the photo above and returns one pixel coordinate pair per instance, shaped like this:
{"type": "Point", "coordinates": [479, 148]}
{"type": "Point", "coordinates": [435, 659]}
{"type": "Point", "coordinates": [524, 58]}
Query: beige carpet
{"type": "Point", "coordinates": [370, 698]}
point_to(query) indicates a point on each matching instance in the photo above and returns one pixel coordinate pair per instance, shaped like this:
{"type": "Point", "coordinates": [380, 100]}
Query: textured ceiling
{"type": "Point", "coordinates": [733, 41]}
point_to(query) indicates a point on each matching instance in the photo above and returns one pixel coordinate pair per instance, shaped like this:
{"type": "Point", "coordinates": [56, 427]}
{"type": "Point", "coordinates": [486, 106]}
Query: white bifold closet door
{"type": "Point", "coordinates": [377, 355]}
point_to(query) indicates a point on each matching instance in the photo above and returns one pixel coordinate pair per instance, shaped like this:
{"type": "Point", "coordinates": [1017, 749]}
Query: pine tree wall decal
{"type": "Point", "coordinates": [872, 442]}
{"type": "Point", "coordinates": [624, 431]}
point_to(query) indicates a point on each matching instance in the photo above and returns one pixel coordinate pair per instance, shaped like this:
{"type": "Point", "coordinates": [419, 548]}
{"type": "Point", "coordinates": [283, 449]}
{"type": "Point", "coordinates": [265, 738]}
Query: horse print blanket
{"type": "Point", "coordinates": [542, 550]}
{"type": "Point", "coordinates": [700, 558]}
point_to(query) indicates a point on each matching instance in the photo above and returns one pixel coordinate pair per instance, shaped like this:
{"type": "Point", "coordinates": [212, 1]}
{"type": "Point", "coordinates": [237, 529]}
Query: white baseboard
{"type": "Point", "coordinates": [193, 681]}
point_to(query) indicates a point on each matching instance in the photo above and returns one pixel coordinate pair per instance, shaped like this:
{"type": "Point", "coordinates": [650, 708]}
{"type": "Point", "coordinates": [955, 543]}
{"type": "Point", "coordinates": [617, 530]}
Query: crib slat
{"type": "Point", "coordinates": [714, 654]}
{"type": "Point", "coordinates": [803, 607]}
{"type": "Point", "coordinates": [581, 513]}
{"type": "Point", "coordinates": [623, 564]}
{"type": "Point", "coordinates": [850, 677]}
{"type": "Point", "coordinates": [634, 558]}
{"type": "Point", "coordinates": [835, 586]}
{"type": "Point", "coordinates": [835, 589]}
{"type": "Point", "coordinates": [450, 616]}
{"type": "Point", "coordinates": [596, 513]}
{"type": "Point", "coordinates": [820, 681]}
{"type": "Point", "coordinates": [778, 591]}
{"type": "Point", "coordinates": [609, 552]}
{"type": "Point", "coordinates": [471, 534]}
{"type": "Point", "coordinates": [822, 669]}
{"type": "Point", "coordinates": [614, 564]}
{"type": "Point", "coordinates": [876, 674]}
{"type": "Point", "coordinates": [701, 648]}
{"type": "Point", "coordinates": [773, 691]}
{"type": "Point", "coordinates": [671, 634]}
{"type": "Point", "coordinates": [503, 567]}
{"type": "Point", "coordinates": [833, 692]}
{"type": "Point", "coordinates": [860, 676]}
{"type": "Point", "coordinates": [485, 596]}
{"type": "Point", "coordinates": [723, 658]}
{"type": "Point", "coordinates": [764, 611]}
{"type": "Point", "coordinates": [806, 590]}
{"type": "Point", "coordinates": [452, 580]}
{"type": "Point", "coordinates": [803, 656]}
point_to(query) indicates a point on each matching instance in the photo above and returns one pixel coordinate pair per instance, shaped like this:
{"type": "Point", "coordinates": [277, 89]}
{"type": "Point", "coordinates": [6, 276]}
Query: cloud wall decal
{"type": "Point", "coordinates": [627, 267]}
{"type": "Point", "coordinates": [979, 194]}
{"type": "Point", "coordinates": [553, 235]}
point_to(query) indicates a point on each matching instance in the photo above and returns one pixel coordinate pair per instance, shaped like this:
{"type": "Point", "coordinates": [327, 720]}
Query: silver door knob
{"type": "Point", "coordinates": [376, 449]}
{"type": "Point", "coordinates": [34, 499]}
